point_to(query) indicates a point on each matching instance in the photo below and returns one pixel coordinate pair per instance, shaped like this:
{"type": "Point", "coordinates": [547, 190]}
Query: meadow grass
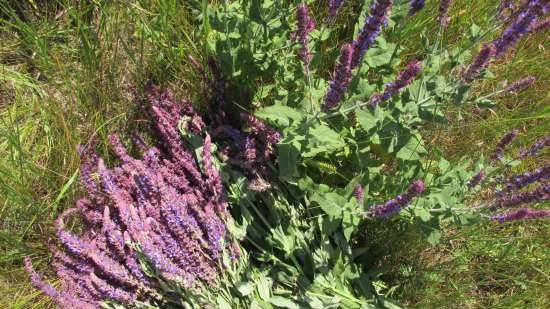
{"type": "Point", "coordinates": [69, 71]}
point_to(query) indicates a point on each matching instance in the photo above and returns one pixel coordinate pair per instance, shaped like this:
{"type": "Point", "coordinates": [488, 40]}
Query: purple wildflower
{"type": "Point", "coordinates": [415, 6]}
{"type": "Point", "coordinates": [403, 79]}
{"type": "Point", "coordinates": [521, 26]}
{"type": "Point", "coordinates": [535, 148]}
{"type": "Point", "coordinates": [498, 153]}
{"type": "Point", "coordinates": [395, 205]}
{"type": "Point", "coordinates": [541, 193]}
{"type": "Point", "coordinates": [340, 79]}
{"type": "Point", "coordinates": [306, 24]}
{"type": "Point", "coordinates": [480, 62]}
{"type": "Point", "coordinates": [333, 7]}
{"type": "Point", "coordinates": [443, 16]}
{"type": "Point", "coordinates": [477, 179]}
{"type": "Point", "coordinates": [359, 193]}
{"type": "Point", "coordinates": [520, 214]}
{"type": "Point", "coordinates": [371, 29]}
{"type": "Point", "coordinates": [520, 85]}
{"type": "Point", "coordinates": [519, 181]}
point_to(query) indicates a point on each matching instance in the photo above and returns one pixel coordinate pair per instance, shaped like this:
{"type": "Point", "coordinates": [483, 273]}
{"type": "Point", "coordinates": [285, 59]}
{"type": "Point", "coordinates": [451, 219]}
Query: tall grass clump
{"type": "Point", "coordinates": [310, 156]}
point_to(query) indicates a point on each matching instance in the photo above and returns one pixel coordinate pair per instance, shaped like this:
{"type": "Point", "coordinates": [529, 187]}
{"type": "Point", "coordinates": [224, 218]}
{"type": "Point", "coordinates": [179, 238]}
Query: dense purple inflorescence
{"type": "Point", "coordinates": [340, 79]}
{"type": "Point", "coordinates": [536, 147]}
{"type": "Point", "coordinates": [359, 193]}
{"type": "Point", "coordinates": [520, 85]}
{"type": "Point", "coordinates": [395, 205]}
{"type": "Point", "coordinates": [519, 181]}
{"type": "Point", "coordinates": [498, 153]}
{"type": "Point", "coordinates": [166, 203]}
{"type": "Point", "coordinates": [371, 29]}
{"type": "Point", "coordinates": [477, 179]}
{"type": "Point", "coordinates": [404, 78]}
{"type": "Point", "coordinates": [443, 17]}
{"type": "Point", "coordinates": [306, 24]}
{"type": "Point", "coordinates": [516, 198]}
{"type": "Point", "coordinates": [521, 214]}
{"type": "Point", "coordinates": [415, 6]}
{"type": "Point", "coordinates": [541, 25]}
{"type": "Point", "coordinates": [525, 19]}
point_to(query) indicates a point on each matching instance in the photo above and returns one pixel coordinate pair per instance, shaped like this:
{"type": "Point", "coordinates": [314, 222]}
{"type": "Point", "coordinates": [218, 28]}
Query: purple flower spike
{"type": "Point", "coordinates": [333, 7]}
{"type": "Point", "coordinates": [520, 214]}
{"type": "Point", "coordinates": [519, 181]}
{"type": "Point", "coordinates": [415, 6]}
{"type": "Point", "coordinates": [359, 193]}
{"type": "Point", "coordinates": [535, 148]}
{"type": "Point", "coordinates": [373, 26]}
{"type": "Point", "coordinates": [403, 79]}
{"type": "Point", "coordinates": [480, 62]}
{"type": "Point", "coordinates": [520, 85]}
{"type": "Point", "coordinates": [306, 24]}
{"type": "Point", "coordinates": [541, 193]}
{"type": "Point", "coordinates": [521, 26]}
{"type": "Point", "coordinates": [443, 16]}
{"type": "Point", "coordinates": [477, 179]}
{"type": "Point", "coordinates": [395, 205]}
{"type": "Point", "coordinates": [501, 146]}
{"type": "Point", "coordinates": [541, 25]}
{"type": "Point", "coordinates": [340, 79]}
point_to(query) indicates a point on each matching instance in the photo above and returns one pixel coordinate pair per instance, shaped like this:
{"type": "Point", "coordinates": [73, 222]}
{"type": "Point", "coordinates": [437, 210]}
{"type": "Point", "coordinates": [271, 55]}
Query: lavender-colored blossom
{"type": "Point", "coordinates": [498, 153]}
{"type": "Point", "coordinates": [521, 84]}
{"type": "Point", "coordinates": [340, 79]}
{"type": "Point", "coordinates": [371, 29]}
{"type": "Point", "coordinates": [164, 204]}
{"type": "Point", "coordinates": [443, 16]}
{"type": "Point", "coordinates": [521, 26]}
{"type": "Point", "coordinates": [359, 193]}
{"type": "Point", "coordinates": [520, 214]}
{"type": "Point", "coordinates": [477, 179]}
{"type": "Point", "coordinates": [395, 205]}
{"type": "Point", "coordinates": [535, 148]}
{"type": "Point", "coordinates": [333, 7]}
{"type": "Point", "coordinates": [519, 181]}
{"type": "Point", "coordinates": [541, 193]}
{"type": "Point", "coordinates": [404, 78]}
{"type": "Point", "coordinates": [306, 24]}
{"type": "Point", "coordinates": [415, 6]}
{"type": "Point", "coordinates": [480, 62]}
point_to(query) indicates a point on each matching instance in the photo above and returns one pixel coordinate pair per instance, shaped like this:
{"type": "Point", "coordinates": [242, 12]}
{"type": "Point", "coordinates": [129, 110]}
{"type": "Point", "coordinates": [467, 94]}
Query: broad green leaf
{"type": "Point", "coordinates": [322, 139]}
{"type": "Point", "coordinates": [287, 158]}
{"type": "Point", "coordinates": [366, 119]}
{"type": "Point", "coordinates": [282, 116]}
{"type": "Point", "coordinates": [244, 288]}
{"type": "Point", "coordinates": [283, 302]}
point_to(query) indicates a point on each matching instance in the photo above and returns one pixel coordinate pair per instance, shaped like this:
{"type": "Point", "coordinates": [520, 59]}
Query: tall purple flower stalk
{"type": "Point", "coordinates": [498, 153]}
{"type": "Point", "coordinates": [520, 85]}
{"type": "Point", "coordinates": [333, 7]}
{"type": "Point", "coordinates": [521, 26]}
{"type": "Point", "coordinates": [443, 16]}
{"type": "Point", "coordinates": [480, 62]}
{"type": "Point", "coordinates": [519, 181]}
{"type": "Point", "coordinates": [371, 29]}
{"type": "Point", "coordinates": [164, 203]}
{"type": "Point", "coordinates": [404, 78]}
{"type": "Point", "coordinates": [521, 214]}
{"type": "Point", "coordinates": [395, 205]}
{"type": "Point", "coordinates": [340, 79]}
{"type": "Point", "coordinates": [415, 6]}
{"type": "Point", "coordinates": [359, 193]}
{"type": "Point", "coordinates": [541, 193]}
{"type": "Point", "coordinates": [306, 24]}
{"type": "Point", "coordinates": [536, 147]}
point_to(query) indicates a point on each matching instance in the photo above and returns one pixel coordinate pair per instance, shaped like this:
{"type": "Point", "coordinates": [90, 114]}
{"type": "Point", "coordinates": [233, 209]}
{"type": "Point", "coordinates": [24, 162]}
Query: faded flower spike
{"type": "Point", "coordinates": [340, 79]}
{"type": "Point", "coordinates": [371, 29]}
{"type": "Point", "coordinates": [333, 7]}
{"type": "Point", "coordinates": [535, 148]}
{"type": "Point", "coordinates": [541, 193]}
{"type": "Point", "coordinates": [480, 62]}
{"type": "Point", "coordinates": [505, 141]}
{"type": "Point", "coordinates": [359, 193]}
{"type": "Point", "coordinates": [404, 78]}
{"type": "Point", "coordinates": [443, 16]}
{"type": "Point", "coordinates": [477, 179]}
{"type": "Point", "coordinates": [520, 214]}
{"type": "Point", "coordinates": [415, 6]}
{"type": "Point", "coordinates": [520, 85]}
{"type": "Point", "coordinates": [519, 181]}
{"type": "Point", "coordinates": [395, 205]}
{"type": "Point", "coordinates": [541, 25]}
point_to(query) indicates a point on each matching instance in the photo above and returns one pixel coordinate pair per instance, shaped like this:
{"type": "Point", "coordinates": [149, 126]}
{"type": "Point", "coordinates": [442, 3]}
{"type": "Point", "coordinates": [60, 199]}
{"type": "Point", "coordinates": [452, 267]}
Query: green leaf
{"type": "Point", "coordinates": [366, 119]}
{"type": "Point", "coordinates": [283, 302]}
{"type": "Point", "coordinates": [244, 288]}
{"type": "Point", "coordinates": [222, 303]}
{"type": "Point", "coordinates": [282, 116]}
{"type": "Point", "coordinates": [434, 237]}
{"type": "Point", "coordinates": [412, 150]}
{"type": "Point", "coordinates": [287, 157]}
{"type": "Point", "coordinates": [322, 139]}
{"type": "Point", "coordinates": [331, 203]}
